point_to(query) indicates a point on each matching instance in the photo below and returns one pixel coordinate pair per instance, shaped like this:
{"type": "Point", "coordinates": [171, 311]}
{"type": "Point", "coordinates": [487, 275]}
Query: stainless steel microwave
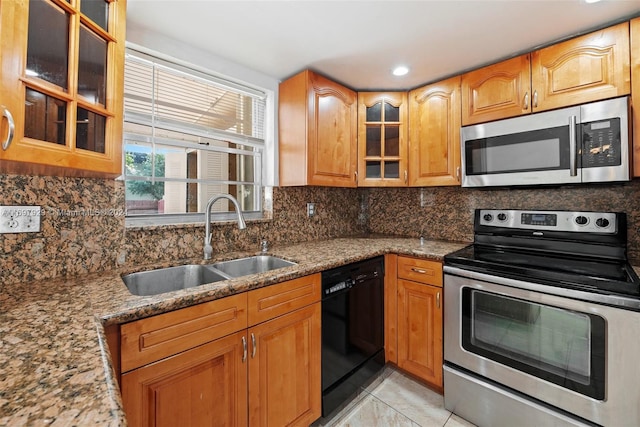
{"type": "Point", "coordinates": [581, 144]}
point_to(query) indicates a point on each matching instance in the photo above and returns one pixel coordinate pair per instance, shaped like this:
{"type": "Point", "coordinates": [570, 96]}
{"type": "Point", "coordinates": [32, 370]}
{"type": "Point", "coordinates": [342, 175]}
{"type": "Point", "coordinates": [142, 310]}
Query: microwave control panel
{"type": "Point", "coordinates": [601, 144]}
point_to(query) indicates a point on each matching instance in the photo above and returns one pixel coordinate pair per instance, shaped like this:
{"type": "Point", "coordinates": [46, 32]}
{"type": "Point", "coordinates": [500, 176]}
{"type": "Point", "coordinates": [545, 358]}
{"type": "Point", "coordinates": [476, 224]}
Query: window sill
{"type": "Point", "coordinates": [168, 222]}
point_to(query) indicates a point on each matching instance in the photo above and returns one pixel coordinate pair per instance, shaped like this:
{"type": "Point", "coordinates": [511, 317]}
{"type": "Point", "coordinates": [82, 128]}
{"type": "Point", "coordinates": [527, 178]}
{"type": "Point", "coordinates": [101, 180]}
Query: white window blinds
{"type": "Point", "coordinates": [188, 136]}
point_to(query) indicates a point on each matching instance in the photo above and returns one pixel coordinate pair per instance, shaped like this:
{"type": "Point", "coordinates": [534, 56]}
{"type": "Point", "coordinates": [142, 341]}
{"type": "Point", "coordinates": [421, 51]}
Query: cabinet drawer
{"type": "Point", "coordinates": [420, 270]}
{"type": "Point", "coordinates": [273, 301]}
{"type": "Point", "coordinates": [154, 338]}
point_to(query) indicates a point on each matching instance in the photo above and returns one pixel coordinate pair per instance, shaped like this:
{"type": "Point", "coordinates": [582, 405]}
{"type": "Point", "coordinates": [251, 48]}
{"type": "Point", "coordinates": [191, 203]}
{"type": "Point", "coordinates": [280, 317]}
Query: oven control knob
{"type": "Point", "coordinates": [488, 217]}
{"type": "Point", "coordinates": [581, 220]}
{"type": "Point", "coordinates": [602, 222]}
{"type": "Point", "coordinates": [502, 216]}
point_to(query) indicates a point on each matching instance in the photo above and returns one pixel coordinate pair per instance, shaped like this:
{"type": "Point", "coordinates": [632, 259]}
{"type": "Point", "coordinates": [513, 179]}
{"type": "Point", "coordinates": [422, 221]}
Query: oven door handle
{"type": "Point", "coordinates": [573, 147]}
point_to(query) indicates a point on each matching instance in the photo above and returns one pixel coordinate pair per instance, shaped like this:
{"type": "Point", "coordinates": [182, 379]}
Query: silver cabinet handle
{"type": "Point", "coordinates": [244, 349]}
{"type": "Point", "coordinates": [418, 270]}
{"type": "Point", "coordinates": [438, 299]}
{"type": "Point", "coordinates": [535, 98]}
{"type": "Point", "coordinates": [525, 101]}
{"type": "Point", "coordinates": [406, 176]}
{"type": "Point", "coordinates": [355, 176]}
{"type": "Point", "coordinates": [458, 173]}
{"type": "Point", "coordinates": [12, 127]}
{"type": "Point", "coordinates": [573, 147]}
{"type": "Point", "coordinates": [253, 343]}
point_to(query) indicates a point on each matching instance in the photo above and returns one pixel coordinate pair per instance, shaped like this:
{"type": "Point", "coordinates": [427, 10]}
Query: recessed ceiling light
{"type": "Point", "coordinates": [400, 71]}
{"type": "Point", "coordinates": [591, 1]}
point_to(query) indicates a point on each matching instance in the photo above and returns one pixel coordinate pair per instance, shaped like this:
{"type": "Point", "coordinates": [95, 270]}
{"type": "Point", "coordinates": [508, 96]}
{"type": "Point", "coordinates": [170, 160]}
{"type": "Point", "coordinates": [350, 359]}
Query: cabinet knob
{"type": "Point", "coordinates": [12, 127]}
{"type": "Point", "coordinates": [535, 98]}
{"type": "Point", "coordinates": [525, 101]}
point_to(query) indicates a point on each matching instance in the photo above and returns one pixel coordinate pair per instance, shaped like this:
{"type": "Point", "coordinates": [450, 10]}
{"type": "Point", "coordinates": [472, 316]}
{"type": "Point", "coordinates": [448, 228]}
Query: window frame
{"type": "Point", "coordinates": [262, 156]}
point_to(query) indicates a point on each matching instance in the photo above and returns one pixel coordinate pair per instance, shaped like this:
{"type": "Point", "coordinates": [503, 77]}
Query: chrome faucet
{"type": "Point", "coordinates": [208, 250]}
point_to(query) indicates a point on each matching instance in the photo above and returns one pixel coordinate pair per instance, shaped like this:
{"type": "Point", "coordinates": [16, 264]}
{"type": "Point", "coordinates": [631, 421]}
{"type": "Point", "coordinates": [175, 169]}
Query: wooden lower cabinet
{"type": "Point", "coordinates": [284, 370]}
{"type": "Point", "coordinates": [262, 373]}
{"type": "Point", "coordinates": [420, 335]}
{"type": "Point", "coordinates": [204, 386]}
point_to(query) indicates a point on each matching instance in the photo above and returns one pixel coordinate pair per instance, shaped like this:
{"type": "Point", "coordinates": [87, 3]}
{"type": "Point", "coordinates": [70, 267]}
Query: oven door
{"type": "Point", "coordinates": [578, 356]}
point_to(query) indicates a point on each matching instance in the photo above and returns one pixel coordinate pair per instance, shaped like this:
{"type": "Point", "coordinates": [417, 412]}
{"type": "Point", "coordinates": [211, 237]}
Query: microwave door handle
{"type": "Point", "coordinates": [573, 147]}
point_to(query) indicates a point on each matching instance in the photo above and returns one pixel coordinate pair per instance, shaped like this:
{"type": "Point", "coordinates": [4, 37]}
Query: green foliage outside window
{"type": "Point", "coordinates": [140, 164]}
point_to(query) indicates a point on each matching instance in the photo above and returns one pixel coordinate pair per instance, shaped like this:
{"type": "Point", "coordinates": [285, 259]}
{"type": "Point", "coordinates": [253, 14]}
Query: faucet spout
{"type": "Point", "coordinates": [208, 249]}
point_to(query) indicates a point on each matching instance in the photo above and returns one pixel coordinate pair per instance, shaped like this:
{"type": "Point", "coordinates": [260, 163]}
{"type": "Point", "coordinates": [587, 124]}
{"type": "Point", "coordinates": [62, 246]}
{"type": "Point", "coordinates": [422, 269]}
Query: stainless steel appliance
{"type": "Point", "coordinates": [352, 330]}
{"type": "Point", "coordinates": [586, 143]}
{"type": "Point", "coordinates": [542, 316]}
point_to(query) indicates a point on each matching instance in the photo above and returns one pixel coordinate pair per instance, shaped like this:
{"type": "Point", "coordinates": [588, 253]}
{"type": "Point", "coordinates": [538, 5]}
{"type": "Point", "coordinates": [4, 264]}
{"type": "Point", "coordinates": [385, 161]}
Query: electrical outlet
{"type": "Point", "coordinates": [20, 219]}
{"type": "Point", "coordinates": [311, 209]}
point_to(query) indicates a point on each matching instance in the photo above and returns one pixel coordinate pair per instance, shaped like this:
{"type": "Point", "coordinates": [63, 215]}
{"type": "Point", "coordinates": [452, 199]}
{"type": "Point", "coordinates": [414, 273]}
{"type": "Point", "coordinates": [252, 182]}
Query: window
{"type": "Point", "coordinates": [188, 136]}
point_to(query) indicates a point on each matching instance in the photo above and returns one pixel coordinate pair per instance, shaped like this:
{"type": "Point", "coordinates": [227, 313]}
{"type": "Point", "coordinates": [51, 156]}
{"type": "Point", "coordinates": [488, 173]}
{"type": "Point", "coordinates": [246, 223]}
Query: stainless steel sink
{"type": "Point", "coordinates": [251, 265]}
{"type": "Point", "coordinates": [169, 279]}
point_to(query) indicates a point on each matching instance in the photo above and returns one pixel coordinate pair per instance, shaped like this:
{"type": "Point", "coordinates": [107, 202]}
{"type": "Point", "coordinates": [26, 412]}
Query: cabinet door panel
{"type": "Point", "coordinates": [284, 374]}
{"type": "Point", "coordinates": [496, 92]}
{"type": "Point", "coordinates": [584, 69]}
{"type": "Point", "coordinates": [635, 92]}
{"type": "Point", "coordinates": [420, 330]}
{"type": "Point", "coordinates": [317, 125]}
{"type": "Point", "coordinates": [332, 134]}
{"type": "Point", "coordinates": [68, 121]}
{"type": "Point", "coordinates": [434, 143]}
{"type": "Point", "coordinates": [205, 386]}
{"type": "Point", "coordinates": [382, 140]}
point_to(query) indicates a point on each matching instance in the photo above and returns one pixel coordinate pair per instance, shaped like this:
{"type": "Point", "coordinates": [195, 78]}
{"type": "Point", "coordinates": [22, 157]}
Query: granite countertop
{"type": "Point", "coordinates": [55, 368]}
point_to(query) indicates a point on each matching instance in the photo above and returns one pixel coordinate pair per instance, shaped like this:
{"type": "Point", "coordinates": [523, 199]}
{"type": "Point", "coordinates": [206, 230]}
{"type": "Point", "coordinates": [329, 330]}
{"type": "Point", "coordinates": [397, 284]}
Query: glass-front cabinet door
{"type": "Point", "coordinates": [61, 86]}
{"type": "Point", "coordinates": [382, 147]}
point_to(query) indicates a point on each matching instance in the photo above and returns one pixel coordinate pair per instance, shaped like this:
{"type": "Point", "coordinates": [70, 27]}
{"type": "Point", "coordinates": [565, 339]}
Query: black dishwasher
{"type": "Point", "coordinates": [352, 329]}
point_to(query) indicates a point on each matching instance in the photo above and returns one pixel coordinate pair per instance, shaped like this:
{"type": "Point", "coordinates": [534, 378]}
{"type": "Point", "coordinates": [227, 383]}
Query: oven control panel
{"type": "Point", "coordinates": [581, 222]}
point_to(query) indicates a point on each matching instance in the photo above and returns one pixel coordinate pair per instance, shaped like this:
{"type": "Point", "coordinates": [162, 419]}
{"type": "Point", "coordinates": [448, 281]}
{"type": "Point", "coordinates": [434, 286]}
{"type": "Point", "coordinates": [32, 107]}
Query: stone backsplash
{"type": "Point", "coordinates": [83, 226]}
{"type": "Point", "coordinates": [447, 212]}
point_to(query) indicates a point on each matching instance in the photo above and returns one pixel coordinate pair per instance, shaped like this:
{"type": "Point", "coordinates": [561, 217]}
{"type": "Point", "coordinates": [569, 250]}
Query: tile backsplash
{"type": "Point", "coordinates": [83, 228]}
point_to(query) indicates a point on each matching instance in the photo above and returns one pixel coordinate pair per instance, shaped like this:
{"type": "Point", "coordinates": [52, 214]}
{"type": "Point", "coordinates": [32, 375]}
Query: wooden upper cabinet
{"type": "Point", "coordinates": [434, 134]}
{"type": "Point", "coordinates": [318, 132]}
{"type": "Point", "coordinates": [382, 139]}
{"type": "Point", "coordinates": [584, 69]}
{"type": "Point", "coordinates": [62, 86]}
{"type": "Point", "coordinates": [635, 92]}
{"type": "Point", "coordinates": [497, 91]}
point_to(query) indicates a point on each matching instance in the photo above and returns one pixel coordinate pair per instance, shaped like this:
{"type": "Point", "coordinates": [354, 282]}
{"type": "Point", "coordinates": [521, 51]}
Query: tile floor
{"type": "Point", "coordinates": [395, 400]}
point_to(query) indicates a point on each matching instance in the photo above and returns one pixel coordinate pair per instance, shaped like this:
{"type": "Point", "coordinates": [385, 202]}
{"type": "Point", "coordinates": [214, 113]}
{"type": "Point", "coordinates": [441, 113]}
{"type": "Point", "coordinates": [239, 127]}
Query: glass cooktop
{"type": "Point", "coordinates": [577, 272]}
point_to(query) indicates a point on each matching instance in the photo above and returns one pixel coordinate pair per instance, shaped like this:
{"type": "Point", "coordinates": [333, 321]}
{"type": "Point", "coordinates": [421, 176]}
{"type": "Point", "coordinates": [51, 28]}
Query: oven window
{"type": "Point", "coordinates": [562, 346]}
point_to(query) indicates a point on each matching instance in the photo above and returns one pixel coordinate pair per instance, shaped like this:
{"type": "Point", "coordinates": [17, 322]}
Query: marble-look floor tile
{"type": "Point", "coordinates": [422, 405]}
{"type": "Point", "coordinates": [456, 421]}
{"type": "Point", "coordinates": [371, 412]}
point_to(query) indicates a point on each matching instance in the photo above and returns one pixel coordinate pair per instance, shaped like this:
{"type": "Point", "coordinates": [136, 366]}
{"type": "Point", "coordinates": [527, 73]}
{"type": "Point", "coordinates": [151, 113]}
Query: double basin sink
{"type": "Point", "coordinates": [169, 279]}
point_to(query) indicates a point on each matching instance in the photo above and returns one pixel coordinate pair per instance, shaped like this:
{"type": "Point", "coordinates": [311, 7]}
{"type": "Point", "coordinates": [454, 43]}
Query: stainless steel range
{"type": "Point", "coordinates": [542, 318]}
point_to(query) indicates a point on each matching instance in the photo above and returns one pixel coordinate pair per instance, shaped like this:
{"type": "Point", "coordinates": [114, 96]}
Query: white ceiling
{"type": "Point", "coordinates": [358, 42]}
